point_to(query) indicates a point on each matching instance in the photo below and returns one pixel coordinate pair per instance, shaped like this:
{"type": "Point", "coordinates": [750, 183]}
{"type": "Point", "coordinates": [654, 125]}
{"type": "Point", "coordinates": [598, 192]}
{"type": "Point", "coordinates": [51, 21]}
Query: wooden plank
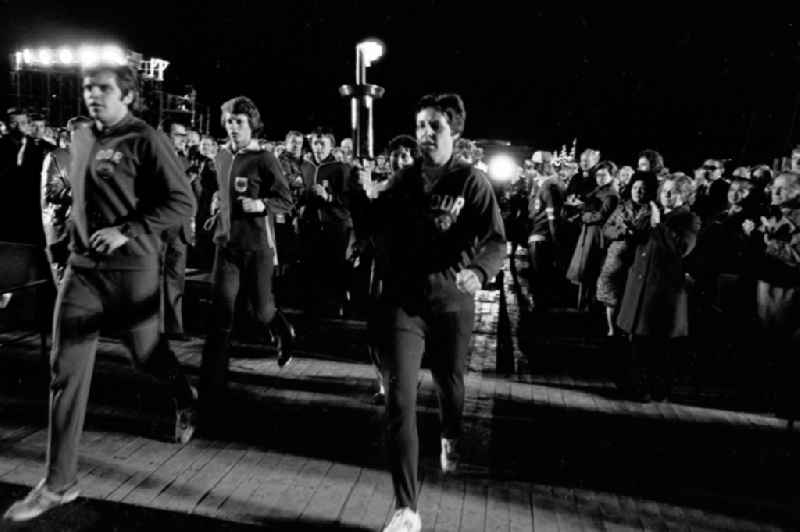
{"type": "Point", "coordinates": [520, 508]}
{"type": "Point", "coordinates": [355, 507]}
{"type": "Point", "coordinates": [430, 495]}
{"type": "Point", "coordinates": [103, 474]}
{"type": "Point", "coordinates": [615, 518]}
{"type": "Point", "coordinates": [586, 506]}
{"type": "Point", "coordinates": [179, 487]}
{"type": "Point", "coordinates": [540, 394]}
{"type": "Point", "coordinates": [27, 473]}
{"type": "Point", "coordinates": [545, 516]}
{"type": "Point", "coordinates": [132, 446]}
{"type": "Point", "coordinates": [451, 506]}
{"type": "Point", "coordinates": [292, 502]}
{"type": "Point", "coordinates": [568, 518]}
{"type": "Point", "coordinates": [23, 462]}
{"type": "Point", "coordinates": [11, 458]}
{"type": "Point", "coordinates": [140, 463]}
{"type": "Point", "coordinates": [498, 513]}
{"type": "Point", "coordinates": [160, 479]}
{"type": "Point", "coordinates": [520, 393]}
{"type": "Point", "coordinates": [650, 514]}
{"type": "Point", "coordinates": [381, 504]}
{"type": "Point", "coordinates": [187, 490]}
{"type": "Point", "coordinates": [628, 507]}
{"type": "Point", "coordinates": [473, 513]}
{"type": "Point", "coordinates": [213, 500]}
{"type": "Point", "coordinates": [240, 506]}
{"type": "Point", "coordinates": [10, 434]}
{"type": "Point", "coordinates": [270, 483]}
{"type": "Point", "coordinates": [328, 501]}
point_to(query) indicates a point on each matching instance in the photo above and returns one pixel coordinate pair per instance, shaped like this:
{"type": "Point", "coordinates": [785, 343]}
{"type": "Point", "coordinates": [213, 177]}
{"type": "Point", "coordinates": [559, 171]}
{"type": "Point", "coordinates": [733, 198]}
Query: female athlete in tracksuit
{"type": "Point", "coordinates": [438, 237]}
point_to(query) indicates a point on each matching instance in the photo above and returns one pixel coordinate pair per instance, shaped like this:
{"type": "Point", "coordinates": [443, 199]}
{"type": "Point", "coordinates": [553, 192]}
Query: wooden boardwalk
{"type": "Point", "coordinates": [545, 453]}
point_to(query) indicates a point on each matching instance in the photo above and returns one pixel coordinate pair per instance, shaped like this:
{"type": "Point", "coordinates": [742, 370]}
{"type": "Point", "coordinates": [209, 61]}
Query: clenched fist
{"type": "Point", "coordinates": [106, 240]}
{"type": "Point", "coordinates": [468, 281]}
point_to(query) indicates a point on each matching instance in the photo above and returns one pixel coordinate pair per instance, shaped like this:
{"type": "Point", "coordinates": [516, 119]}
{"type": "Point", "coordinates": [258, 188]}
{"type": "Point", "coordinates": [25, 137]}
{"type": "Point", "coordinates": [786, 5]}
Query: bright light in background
{"type": "Point", "coordinates": [85, 56]}
{"type": "Point", "coordinates": [88, 56]}
{"type": "Point", "coordinates": [112, 55]}
{"type": "Point", "coordinates": [502, 168]}
{"type": "Point", "coordinates": [65, 56]}
{"type": "Point", "coordinates": [371, 50]}
{"type": "Point", "coordinates": [45, 56]}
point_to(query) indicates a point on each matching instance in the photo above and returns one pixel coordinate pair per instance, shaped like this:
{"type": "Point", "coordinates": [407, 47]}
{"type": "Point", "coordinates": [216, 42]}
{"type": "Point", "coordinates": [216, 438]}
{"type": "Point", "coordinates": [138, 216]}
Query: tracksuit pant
{"type": "Point", "coordinates": [91, 300]}
{"type": "Point", "coordinates": [442, 327]}
{"type": "Point", "coordinates": [234, 271]}
{"type": "Point", "coordinates": [175, 252]}
{"type": "Point", "coordinates": [327, 272]}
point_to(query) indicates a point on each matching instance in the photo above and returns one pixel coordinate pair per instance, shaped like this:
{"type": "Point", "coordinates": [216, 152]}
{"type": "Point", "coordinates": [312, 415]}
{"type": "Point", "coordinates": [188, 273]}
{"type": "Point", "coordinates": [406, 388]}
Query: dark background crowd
{"type": "Point", "coordinates": [725, 272]}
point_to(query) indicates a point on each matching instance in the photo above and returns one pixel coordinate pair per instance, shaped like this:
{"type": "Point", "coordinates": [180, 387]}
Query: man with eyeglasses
{"type": "Point", "coordinates": [712, 189]}
{"type": "Point", "coordinates": [176, 240]}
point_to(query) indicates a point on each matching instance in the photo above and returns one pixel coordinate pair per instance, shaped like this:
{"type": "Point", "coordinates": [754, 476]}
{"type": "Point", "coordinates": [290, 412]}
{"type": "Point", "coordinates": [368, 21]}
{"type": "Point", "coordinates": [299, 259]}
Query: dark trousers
{"type": "Point", "coordinates": [778, 310]}
{"type": "Point", "coordinates": [326, 271]}
{"type": "Point", "coordinates": [544, 278]}
{"type": "Point", "coordinates": [90, 300]}
{"type": "Point", "coordinates": [445, 333]}
{"type": "Point", "coordinates": [234, 270]}
{"type": "Point", "coordinates": [651, 365]}
{"type": "Point", "coordinates": [174, 264]}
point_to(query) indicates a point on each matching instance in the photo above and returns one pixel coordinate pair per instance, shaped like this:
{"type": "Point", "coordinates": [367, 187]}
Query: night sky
{"type": "Point", "coordinates": [690, 83]}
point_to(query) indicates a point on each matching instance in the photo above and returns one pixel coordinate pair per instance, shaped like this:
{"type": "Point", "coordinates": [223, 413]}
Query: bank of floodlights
{"type": "Point", "coordinates": [84, 56]}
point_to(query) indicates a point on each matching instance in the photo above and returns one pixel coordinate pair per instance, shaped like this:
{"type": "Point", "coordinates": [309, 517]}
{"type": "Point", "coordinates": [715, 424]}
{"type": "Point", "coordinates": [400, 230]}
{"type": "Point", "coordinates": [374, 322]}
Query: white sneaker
{"type": "Point", "coordinates": [449, 458]}
{"type": "Point", "coordinates": [38, 501]}
{"type": "Point", "coordinates": [404, 520]}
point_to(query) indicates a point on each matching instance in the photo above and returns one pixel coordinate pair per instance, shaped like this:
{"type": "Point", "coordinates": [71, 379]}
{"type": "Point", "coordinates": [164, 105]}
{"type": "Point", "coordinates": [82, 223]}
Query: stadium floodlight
{"type": "Point", "coordinates": [112, 55]}
{"type": "Point", "coordinates": [371, 50]}
{"type": "Point", "coordinates": [88, 56]}
{"type": "Point", "coordinates": [362, 96]}
{"type": "Point", "coordinates": [45, 56]}
{"type": "Point", "coordinates": [502, 167]}
{"type": "Point", "coordinates": [66, 56]}
{"type": "Point", "coordinates": [85, 56]}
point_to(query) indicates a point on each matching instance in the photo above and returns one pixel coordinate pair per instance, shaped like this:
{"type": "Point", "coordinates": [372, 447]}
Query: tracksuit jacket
{"type": "Point", "coordinates": [259, 176]}
{"type": "Point", "coordinates": [126, 176]}
{"type": "Point", "coordinates": [432, 223]}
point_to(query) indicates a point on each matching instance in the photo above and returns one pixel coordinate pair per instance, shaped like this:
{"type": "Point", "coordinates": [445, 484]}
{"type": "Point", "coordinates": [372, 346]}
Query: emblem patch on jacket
{"type": "Point", "coordinates": [240, 184]}
{"type": "Point", "coordinates": [106, 162]}
{"type": "Point", "coordinates": [445, 210]}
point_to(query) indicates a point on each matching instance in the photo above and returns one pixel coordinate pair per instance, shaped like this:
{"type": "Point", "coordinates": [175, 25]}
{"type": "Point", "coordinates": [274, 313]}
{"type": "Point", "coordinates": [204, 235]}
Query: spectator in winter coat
{"type": "Point", "coordinates": [654, 309]}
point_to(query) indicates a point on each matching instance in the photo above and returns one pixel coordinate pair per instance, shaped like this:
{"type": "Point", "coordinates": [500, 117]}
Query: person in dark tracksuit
{"type": "Point", "coordinates": [251, 186]}
{"type": "Point", "coordinates": [297, 171]}
{"type": "Point", "coordinates": [326, 227]}
{"type": "Point", "coordinates": [127, 188]}
{"type": "Point", "coordinates": [439, 237]}
{"type": "Point", "coordinates": [403, 151]}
